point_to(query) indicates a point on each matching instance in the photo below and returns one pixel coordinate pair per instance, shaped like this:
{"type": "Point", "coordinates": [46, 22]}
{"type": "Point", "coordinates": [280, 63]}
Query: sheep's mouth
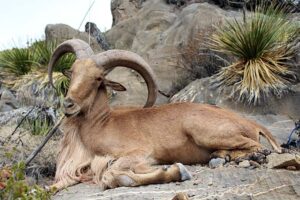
{"type": "Point", "coordinates": [71, 112]}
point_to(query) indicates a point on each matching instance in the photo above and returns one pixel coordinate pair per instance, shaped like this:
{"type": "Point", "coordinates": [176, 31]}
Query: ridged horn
{"type": "Point", "coordinates": [80, 48]}
{"type": "Point", "coordinates": [114, 58]}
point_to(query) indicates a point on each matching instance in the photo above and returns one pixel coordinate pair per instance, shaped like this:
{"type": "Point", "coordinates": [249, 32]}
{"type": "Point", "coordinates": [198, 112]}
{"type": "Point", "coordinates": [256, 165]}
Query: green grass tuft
{"type": "Point", "coordinates": [39, 126]}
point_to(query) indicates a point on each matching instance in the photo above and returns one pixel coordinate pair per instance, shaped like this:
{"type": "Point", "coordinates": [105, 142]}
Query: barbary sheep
{"type": "Point", "coordinates": [123, 146]}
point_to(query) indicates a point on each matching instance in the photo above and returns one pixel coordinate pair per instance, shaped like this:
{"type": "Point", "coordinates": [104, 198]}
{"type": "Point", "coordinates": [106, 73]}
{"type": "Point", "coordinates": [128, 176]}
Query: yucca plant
{"type": "Point", "coordinates": [61, 83]}
{"type": "Point", "coordinates": [261, 44]}
{"type": "Point", "coordinates": [18, 61]}
{"type": "Point", "coordinates": [43, 51]}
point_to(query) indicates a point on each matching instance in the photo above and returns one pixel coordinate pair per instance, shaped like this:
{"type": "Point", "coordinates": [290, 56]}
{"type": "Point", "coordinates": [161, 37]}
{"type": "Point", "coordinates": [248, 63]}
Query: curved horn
{"type": "Point", "coordinates": [113, 58]}
{"type": "Point", "coordinates": [80, 48]}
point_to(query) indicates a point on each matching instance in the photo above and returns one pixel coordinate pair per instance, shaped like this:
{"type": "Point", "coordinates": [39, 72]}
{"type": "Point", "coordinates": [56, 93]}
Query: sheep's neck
{"type": "Point", "coordinates": [100, 110]}
{"type": "Point", "coordinates": [97, 117]}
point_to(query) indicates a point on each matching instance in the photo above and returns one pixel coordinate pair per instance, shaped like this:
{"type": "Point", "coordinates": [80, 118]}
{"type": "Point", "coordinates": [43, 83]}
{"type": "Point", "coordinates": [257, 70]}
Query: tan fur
{"type": "Point", "coordinates": [121, 146]}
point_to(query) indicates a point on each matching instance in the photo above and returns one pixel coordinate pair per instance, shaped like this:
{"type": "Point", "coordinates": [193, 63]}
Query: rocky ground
{"type": "Point", "coordinates": [231, 182]}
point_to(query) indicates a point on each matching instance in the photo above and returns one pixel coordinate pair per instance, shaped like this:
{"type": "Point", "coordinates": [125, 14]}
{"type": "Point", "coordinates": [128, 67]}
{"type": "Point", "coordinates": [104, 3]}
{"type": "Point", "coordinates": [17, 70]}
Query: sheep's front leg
{"type": "Point", "coordinates": [116, 178]}
{"type": "Point", "coordinates": [62, 184]}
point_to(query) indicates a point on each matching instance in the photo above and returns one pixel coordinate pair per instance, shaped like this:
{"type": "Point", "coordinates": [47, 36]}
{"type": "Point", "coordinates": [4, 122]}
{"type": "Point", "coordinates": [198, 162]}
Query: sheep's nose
{"type": "Point", "coordinates": [68, 103]}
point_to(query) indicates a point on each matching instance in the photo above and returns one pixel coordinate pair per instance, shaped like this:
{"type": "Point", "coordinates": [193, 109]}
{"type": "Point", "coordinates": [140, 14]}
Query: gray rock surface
{"type": "Point", "coordinates": [8, 100]}
{"type": "Point", "coordinates": [218, 184]}
{"type": "Point", "coordinates": [244, 163]}
{"type": "Point", "coordinates": [202, 91]}
{"type": "Point", "coordinates": [62, 32]}
{"type": "Point", "coordinates": [15, 116]}
{"type": "Point", "coordinates": [216, 162]}
{"type": "Point", "coordinates": [156, 31]}
{"type": "Point", "coordinates": [282, 161]}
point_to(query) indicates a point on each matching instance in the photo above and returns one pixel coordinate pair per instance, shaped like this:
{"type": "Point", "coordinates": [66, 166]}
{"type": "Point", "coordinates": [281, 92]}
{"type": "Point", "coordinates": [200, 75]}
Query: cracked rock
{"type": "Point", "coordinates": [283, 161]}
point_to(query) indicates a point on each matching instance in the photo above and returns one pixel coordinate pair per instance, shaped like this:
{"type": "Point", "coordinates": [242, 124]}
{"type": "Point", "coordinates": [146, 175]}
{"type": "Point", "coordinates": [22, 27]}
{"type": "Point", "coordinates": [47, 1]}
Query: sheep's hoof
{"type": "Point", "coordinates": [125, 180]}
{"type": "Point", "coordinates": [185, 174]}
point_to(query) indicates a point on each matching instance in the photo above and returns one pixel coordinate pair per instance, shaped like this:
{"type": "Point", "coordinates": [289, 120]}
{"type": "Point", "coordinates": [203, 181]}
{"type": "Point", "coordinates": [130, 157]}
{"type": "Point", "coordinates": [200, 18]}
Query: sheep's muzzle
{"type": "Point", "coordinates": [70, 108]}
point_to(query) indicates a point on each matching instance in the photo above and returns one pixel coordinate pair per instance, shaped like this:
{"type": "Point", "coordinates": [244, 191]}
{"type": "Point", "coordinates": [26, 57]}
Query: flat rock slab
{"type": "Point", "coordinates": [211, 184]}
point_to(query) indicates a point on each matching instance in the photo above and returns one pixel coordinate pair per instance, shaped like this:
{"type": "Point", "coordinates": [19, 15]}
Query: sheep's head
{"type": "Point", "coordinates": [88, 73]}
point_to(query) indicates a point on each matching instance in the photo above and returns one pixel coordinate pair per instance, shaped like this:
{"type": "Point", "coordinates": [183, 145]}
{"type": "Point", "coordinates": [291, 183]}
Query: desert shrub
{"type": "Point", "coordinates": [61, 83]}
{"type": "Point", "coordinates": [18, 61]}
{"type": "Point", "coordinates": [34, 61]}
{"type": "Point", "coordinates": [261, 45]}
{"type": "Point", "coordinates": [14, 186]}
{"type": "Point", "coordinates": [43, 51]}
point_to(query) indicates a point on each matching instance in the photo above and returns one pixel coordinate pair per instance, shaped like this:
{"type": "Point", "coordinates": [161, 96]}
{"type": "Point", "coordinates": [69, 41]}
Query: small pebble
{"type": "Point", "coordinates": [210, 182]}
{"type": "Point", "coordinates": [244, 164]}
{"type": "Point", "coordinates": [216, 162]}
{"type": "Point", "coordinates": [254, 164]}
{"type": "Point", "coordinates": [291, 168]}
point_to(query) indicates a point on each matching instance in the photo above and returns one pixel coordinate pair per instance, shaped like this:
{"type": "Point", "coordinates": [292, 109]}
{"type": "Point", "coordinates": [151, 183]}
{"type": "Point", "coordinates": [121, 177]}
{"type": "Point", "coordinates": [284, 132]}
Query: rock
{"type": "Point", "coordinates": [254, 164]}
{"type": "Point", "coordinates": [216, 162]}
{"type": "Point", "coordinates": [33, 90]}
{"type": "Point", "coordinates": [230, 183]}
{"type": "Point", "coordinates": [15, 116]}
{"type": "Point", "coordinates": [92, 28]}
{"type": "Point", "coordinates": [154, 30]}
{"type": "Point", "coordinates": [124, 9]}
{"type": "Point", "coordinates": [181, 196]}
{"type": "Point", "coordinates": [157, 30]}
{"type": "Point", "coordinates": [291, 168]}
{"type": "Point", "coordinates": [8, 101]}
{"type": "Point", "coordinates": [244, 163]}
{"type": "Point", "coordinates": [63, 32]}
{"type": "Point", "coordinates": [203, 91]}
{"type": "Point", "coordinates": [282, 161]}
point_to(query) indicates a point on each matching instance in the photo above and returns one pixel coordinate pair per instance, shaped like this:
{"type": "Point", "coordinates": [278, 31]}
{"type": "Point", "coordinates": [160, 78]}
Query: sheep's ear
{"type": "Point", "coordinates": [114, 85]}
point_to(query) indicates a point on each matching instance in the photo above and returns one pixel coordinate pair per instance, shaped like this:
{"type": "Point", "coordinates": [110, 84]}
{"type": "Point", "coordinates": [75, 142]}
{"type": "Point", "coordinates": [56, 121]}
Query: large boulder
{"type": "Point", "coordinates": [282, 161]}
{"type": "Point", "coordinates": [63, 32]}
{"type": "Point", "coordinates": [8, 100]}
{"type": "Point", "coordinates": [202, 91]}
{"type": "Point", "coordinates": [157, 30]}
{"type": "Point", "coordinates": [124, 9]}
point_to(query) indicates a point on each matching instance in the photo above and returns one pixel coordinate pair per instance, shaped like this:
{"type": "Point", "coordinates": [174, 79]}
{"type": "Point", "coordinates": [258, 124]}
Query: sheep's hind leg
{"type": "Point", "coordinates": [229, 155]}
{"type": "Point", "coordinates": [117, 177]}
{"type": "Point", "coordinates": [255, 154]}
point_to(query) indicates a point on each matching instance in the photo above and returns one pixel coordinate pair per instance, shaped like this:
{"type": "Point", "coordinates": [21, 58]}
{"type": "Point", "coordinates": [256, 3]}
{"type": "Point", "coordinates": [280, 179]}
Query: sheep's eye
{"type": "Point", "coordinates": [99, 79]}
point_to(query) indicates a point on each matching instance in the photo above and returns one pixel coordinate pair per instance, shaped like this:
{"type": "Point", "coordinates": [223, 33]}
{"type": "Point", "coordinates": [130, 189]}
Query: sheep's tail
{"type": "Point", "coordinates": [267, 134]}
